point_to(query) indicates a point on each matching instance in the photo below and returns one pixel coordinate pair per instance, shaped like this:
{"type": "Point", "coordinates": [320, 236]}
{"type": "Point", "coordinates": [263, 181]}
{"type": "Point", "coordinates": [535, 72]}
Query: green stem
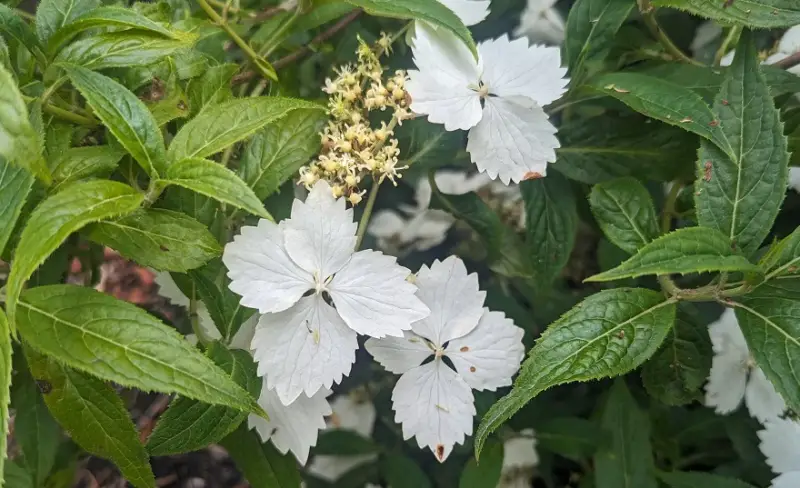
{"type": "Point", "coordinates": [154, 191]}
{"type": "Point", "coordinates": [24, 14]}
{"type": "Point", "coordinates": [732, 38]}
{"type": "Point", "coordinates": [64, 114]}
{"type": "Point", "coordinates": [669, 207]}
{"type": "Point", "coordinates": [649, 16]}
{"type": "Point", "coordinates": [52, 89]}
{"type": "Point", "coordinates": [275, 39]}
{"type": "Point", "coordinates": [364, 222]}
{"type": "Point", "coordinates": [194, 318]}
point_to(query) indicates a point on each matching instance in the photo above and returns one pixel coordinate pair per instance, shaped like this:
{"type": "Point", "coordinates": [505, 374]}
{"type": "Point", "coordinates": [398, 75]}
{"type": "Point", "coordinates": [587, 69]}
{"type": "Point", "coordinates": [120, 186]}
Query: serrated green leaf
{"type": "Point", "coordinates": [488, 472]}
{"type": "Point", "coordinates": [94, 416]}
{"type": "Point", "coordinates": [688, 250]}
{"type": "Point", "coordinates": [740, 193]}
{"type": "Point", "coordinates": [572, 437]}
{"type": "Point", "coordinates": [213, 88]}
{"type": "Point", "coordinates": [628, 461]}
{"type": "Point", "coordinates": [551, 224]}
{"type": "Point", "coordinates": [224, 306]}
{"type": "Point", "coordinates": [591, 28]}
{"type": "Point", "coordinates": [262, 464]}
{"type": "Point", "coordinates": [432, 12]}
{"type": "Point", "coordinates": [19, 142]}
{"type": "Point", "coordinates": [677, 479]}
{"type": "Point", "coordinates": [52, 15]}
{"type": "Point", "coordinates": [608, 334]}
{"type": "Point", "coordinates": [121, 49]}
{"type": "Point", "coordinates": [675, 375]}
{"type": "Point", "coordinates": [124, 115]}
{"type": "Point", "coordinates": [145, 353]}
{"type": "Point", "coordinates": [6, 370]}
{"type": "Point", "coordinates": [12, 25]}
{"type": "Point", "coordinates": [221, 126]}
{"type": "Point", "coordinates": [764, 14]}
{"type": "Point", "coordinates": [189, 425]}
{"type": "Point", "coordinates": [625, 211]}
{"type": "Point", "coordinates": [77, 163]}
{"type": "Point", "coordinates": [401, 472]}
{"type": "Point", "coordinates": [783, 258]}
{"type": "Point", "coordinates": [15, 184]}
{"type": "Point", "coordinates": [215, 181]}
{"type": "Point", "coordinates": [161, 239]}
{"type": "Point", "coordinates": [56, 218]}
{"type": "Point", "coordinates": [275, 153]}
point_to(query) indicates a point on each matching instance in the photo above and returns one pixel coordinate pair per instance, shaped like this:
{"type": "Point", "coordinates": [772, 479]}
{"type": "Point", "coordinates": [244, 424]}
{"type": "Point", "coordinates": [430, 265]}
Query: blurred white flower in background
{"type": "Point", "coordinates": [735, 375]}
{"type": "Point", "coordinates": [780, 444]}
{"type": "Point", "coordinates": [788, 45]}
{"type": "Point", "coordinates": [167, 288]}
{"type": "Point", "coordinates": [705, 35]}
{"type": "Point", "coordinates": [541, 22]}
{"type": "Point", "coordinates": [519, 460]}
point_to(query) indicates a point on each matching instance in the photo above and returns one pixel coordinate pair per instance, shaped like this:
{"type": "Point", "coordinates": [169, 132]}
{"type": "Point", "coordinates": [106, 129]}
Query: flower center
{"type": "Point", "coordinates": [321, 285]}
{"type": "Point", "coordinates": [481, 89]}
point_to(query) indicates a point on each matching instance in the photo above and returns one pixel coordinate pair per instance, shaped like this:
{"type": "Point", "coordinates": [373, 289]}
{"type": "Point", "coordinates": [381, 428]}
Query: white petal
{"type": "Point", "coordinates": [439, 87]}
{"type": "Point", "coordinates": [794, 179]}
{"type": "Point", "coordinates": [167, 288]}
{"type": "Point", "coordinates": [780, 443]}
{"type": "Point", "coordinates": [790, 42]}
{"type": "Point", "coordinates": [788, 480]}
{"type": "Point", "coordinates": [262, 272]}
{"type": "Point", "coordinates": [206, 323]}
{"type": "Point", "coordinates": [385, 224]}
{"type": "Point", "coordinates": [399, 354]}
{"type": "Point", "coordinates": [512, 68]}
{"type": "Point", "coordinates": [727, 337]}
{"type": "Point", "coordinates": [303, 349]}
{"type": "Point", "coordinates": [511, 142]}
{"type": "Point", "coordinates": [321, 235]}
{"type": "Point", "coordinates": [488, 356]}
{"type": "Point", "coordinates": [428, 229]}
{"type": "Point", "coordinates": [331, 468]}
{"type": "Point", "coordinates": [470, 12]}
{"type": "Point", "coordinates": [373, 297]}
{"type": "Point", "coordinates": [540, 22]}
{"type": "Point", "coordinates": [352, 412]}
{"type": "Point", "coordinates": [434, 405]}
{"type": "Point", "coordinates": [707, 33]}
{"type": "Point", "coordinates": [727, 60]}
{"type": "Point", "coordinates": [520, 452]}
{"type": "Point", "coordinates": [726, 382]}
{"type": "Point", "coordinates": [761, 398]}
{"type": "Point", "coordinates": [291, 428]}
{"type": "Point", "coordinates": [454, 298]}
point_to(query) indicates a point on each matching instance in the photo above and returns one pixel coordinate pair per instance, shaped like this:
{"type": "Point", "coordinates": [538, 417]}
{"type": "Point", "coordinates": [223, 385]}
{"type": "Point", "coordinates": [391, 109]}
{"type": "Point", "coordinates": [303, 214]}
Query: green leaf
{"type": "Point", "coordinates": [211, 89]}
{"type": "Point", "coordinates": [485, 474]}
{"type": "Point", "coordinates": [628, 461]}
{"type": "Point", "coordinates": [551, 224]}
{"type": "Point", "coordinates": [212, 287]}
{"type": "Point", "coordinates": [624, 210]}
{"type": "Point", "coordinates": [783, 258]}
{"type": "Point", "coordinates": [664, 101]}
{"type": "Point", "coordinates": [6, 369]}
{"type": "Point", "coordinates": [764, 14]}
{"type": "Point", "coordinates": [121, 49]}
{"type": "Point", "coordinates": [277, 152]}
{"type": "Point", "coordinates": [189, 425]}
{"type": "Point", "coordinates": [19, 142]}
{"type": "Point", "coordinates": [14, 27]}
{"type": "Point", "coordinates": [15, 184]}
{"type": "Point", "coordinates": [688, 250]}
{"type": "Point", "coordinates": [675, 375]}
{"type": "Point", "coordinates": [15, 476]}
{"type": "Point", "coordinates": [740, 193]}
{"type": "Point", "coordinates": [215, 181]}
{"type": "Point", "coordinates": [80, 328]}
{"type": "Point", "coordinates": [52, 15]}
{"type": "Point", "coordinates": [429, 11]}
{"type": "Point", "coordinates": [591, 28]}
{"type": "Point", "coordinates": [572, 437]}
{"type": "Point", "coordinates": [677, 479]}
{"type": "Point", "coordinates": [426, 145]}
{"type": "Point", "coordinates": [341, 442]}
{"type": "Point", "coordinates": [124, 115]}
{"type": "Point", "coordinates": [161, 239]}
{"type": "Point", "coordinates": [608, 334]}
{"type": "Point", "coordinates": [223, 125]}
{"type": "Point", "coordinates": [56, 218]}
{"type": "Point", "coordinates": [77, 163]}
{"type": "Point", "coordinates": [94, 416]}
{"type": "Point", "coordinates": [262, 465]}
{"type": "Point", "coordinates": [401, 472]}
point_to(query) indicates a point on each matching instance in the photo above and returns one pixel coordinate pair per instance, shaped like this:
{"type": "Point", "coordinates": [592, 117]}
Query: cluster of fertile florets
{"type": "Point", "coordinates": [351, 147]}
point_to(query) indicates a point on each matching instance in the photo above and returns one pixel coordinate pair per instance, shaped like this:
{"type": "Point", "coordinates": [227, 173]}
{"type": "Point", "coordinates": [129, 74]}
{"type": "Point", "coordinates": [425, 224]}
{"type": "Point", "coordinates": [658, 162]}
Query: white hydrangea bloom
{"type": "Point", "coordinates": [290, 272]}
{"type": "Point", "coordinates": [707, 33]}
{"type": "Point", "coordinates": [541, 22]}
{"type": "Point", "coordinates": [519, 459]}
{"type": "Point", "coordinates": [735, 376]}
{"type": "Point", "coordinates": [788, 45]}
{"type": "Point", "coordinates": [780, 443]}
{"type": "Point", "coordinates": [350, 412]}
{"type": "Point", "coordinates": [167, 288]}
{"type": "Point", "coordinates": [498, 98]}
{"type": "Point", "coordinates": [433, 402]}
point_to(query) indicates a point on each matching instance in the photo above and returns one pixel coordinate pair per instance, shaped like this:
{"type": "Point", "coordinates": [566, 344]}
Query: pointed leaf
{"type": "Point", "coordinates": [213, 88]}
{"type": "Point", "coordinates": [19, 142]}
{"type": "Point", "coordinates": [687, 479]}
{"type": "Point", "coordinates": [765, 14]}
{"type": "Point", "coordinates": [625, 212]}
{"type": "Point", "coordinates": [591, 28]}
{"type": "Point", "coordinates": [14, 27]}
{"type": "Point", "coordinates": [262, 464]}
{"type": "Point", "coordinates": [52, 15]}
{"type": "Point", "coordinates": [783, 259]}
{"type": "Point", "coordinates": [121, 50]}
{"type": "Point", "coordinates": [77, 163]}
{"type": "Point", "coordinates": [15, 184]}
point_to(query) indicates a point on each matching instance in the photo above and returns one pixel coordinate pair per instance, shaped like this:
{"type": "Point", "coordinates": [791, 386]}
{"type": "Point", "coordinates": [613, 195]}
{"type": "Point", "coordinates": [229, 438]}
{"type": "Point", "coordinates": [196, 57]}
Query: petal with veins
{"type": "Point", "coordinates": [470, 12]}
{"type": "Point", "coordinates": [726, 382]}
{"type": "Point", "coordinates": [780, 443]}
{"type": "Point", "coordinates": [761, 398]}
{"type": "Point", "coordinates": [399, 354]}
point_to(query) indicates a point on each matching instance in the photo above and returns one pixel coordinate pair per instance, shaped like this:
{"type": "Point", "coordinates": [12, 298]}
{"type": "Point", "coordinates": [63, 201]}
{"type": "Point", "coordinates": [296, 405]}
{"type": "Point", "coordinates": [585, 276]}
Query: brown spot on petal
{"type": "Point", "coordinates": [440, 452]}
{"type": "Point", "coordinates": [532, 175]}
{"type": "Point", "coordinates": [464, 349]}
{"type": "Point", "coordinates": [472, 369]}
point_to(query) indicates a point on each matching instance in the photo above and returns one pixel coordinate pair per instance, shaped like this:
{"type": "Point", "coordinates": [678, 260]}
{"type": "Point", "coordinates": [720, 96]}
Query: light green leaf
{"type": "Point", "coordinates": [6, 370]}
{"type": "Point", "coordinates": [624, 210]}
{"type": "Point", "coordinates": [223, 125]}
{"type": "Point", "coordinates": [121, 49]}
{"type": "Point", "coordinates": [215, 181]}
{"type": "Point", "coordinates": [15, 476]}
{"type": "Point", "coordinates": [213, 88]}
{"type": "Point", "coordinates": [94, 416]}
{"type": "Point", "coordinates": [675, 375]}
{"type": "Point", "coordinates": [19, 142]}
{"type": "Point", "coordinates": [15, 184]}
{"type": "Point", "coordinates": [401, 472]}
{"type": "Point", "coordinates": [14, 27]}
{"type": "Point", "coordinates": [628, 461]}
{"type": "Point", "coordinates": [740, 193]}
{"type": "Point", "coordinates": [124, 115]}
{"type": "Point", "coordinates": [429, 11]}
{"type": "Point", "coordinates": [783, 258]}
{"type": "Point", "coordinates": [52, 15]}
{"type": "Point", "coordinates": [276, 153]}
{"type": "Point", "coordinates": [262, 464]}
{"type": "Point", "coordinates": [591, 28]}
{"type": "Point", "coordinates": [56, 218]}
{"type": "Point", "coordinates": [688, 250]}
{"type": "Point", "coordinates": [77, 163]}
{"type": "Point", "coordinates": [764, 14]}
{"type": "Point", "coordinates": [189, 425]}
{"type": "Point", "coordinates": [572, 437]}
{"type": "Point", "coordinates": [608, 334]}
{"type": "Point", "coordinates": [551, 224]}
{"type": "Point", "coordinates": [677, 479]}
{"type": "Point", "coordinates": [488, 472]}
{"type": "Point", "coordinates": [160, 239]}
{"type": "Point", "coordinates": [80, 327]}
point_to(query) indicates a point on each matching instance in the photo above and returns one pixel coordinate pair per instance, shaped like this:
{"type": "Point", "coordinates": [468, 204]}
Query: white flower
{"type": "Point", "coordinates": [292, 272]}
{"type": "Point", "coordinates": [519, 459]}
{"type": "Point", "coordinates": [707, 33]}
{"type": "Point", "coordinates": [167, 288]}
{"type": "Point", "coordinates": [470, 12]}
{"type": "Point", "coordinates": [540, 22]}
{"type": "Point", "coordinates": [788, 45]}
{"type": "Point", "coordinates": [433, 402]}
{"type": "Point", "coordinates": [350, 412]}
{"type": "Point", "coordinates": [734, 374]}
{"type": "Point", "coordinates": [499, 99]}
{"type": "Point", "coordinates": [294, 427]}
{"type": "Point", "coordinates": [780, 443]}
{"type": "Point", "coordinates": [794, 179]}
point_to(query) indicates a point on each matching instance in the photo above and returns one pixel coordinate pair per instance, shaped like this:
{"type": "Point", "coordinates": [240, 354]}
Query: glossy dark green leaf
{"type": "Point", "coordinates": [94, 416]}
{"type": "Point", "coordinates": [485, 473]}
{"type": "Point", "coordinates": [401, 472]}
{"type": "Point", "coordinates": [213, 88]}
{"type": "Point", "coordinates": [14, 27]}
{"type": "Point", "coordinates": [591, 28]}
{"type": "Point", "coordinates": [572, 437]}
{"type": "Point", "coordinates": [52, 15]}
{"type": "Point", "coordinates": [688, 479]}
{"type": "Point", "coordinates": [262, 464]}
{"type": "Point", "coordinates": [77, 163]}
{"type": "Point", "coordinates": [608, 334]}
{"type": "Point", "coordinates": [121, 49]}
{"type": "Point", "coordinates": [625, 211]}
{"type": "Point", "coordinates": [15, 184]}
{"type": "Point", "coordinates": [765, 14]}
{"type": "Point", "coordinates": [19, 142]}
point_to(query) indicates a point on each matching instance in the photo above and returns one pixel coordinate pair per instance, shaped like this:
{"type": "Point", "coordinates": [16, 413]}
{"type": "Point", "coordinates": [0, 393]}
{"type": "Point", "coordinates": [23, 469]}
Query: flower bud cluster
{"type": "Point", "coordinates": [352, 147]}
